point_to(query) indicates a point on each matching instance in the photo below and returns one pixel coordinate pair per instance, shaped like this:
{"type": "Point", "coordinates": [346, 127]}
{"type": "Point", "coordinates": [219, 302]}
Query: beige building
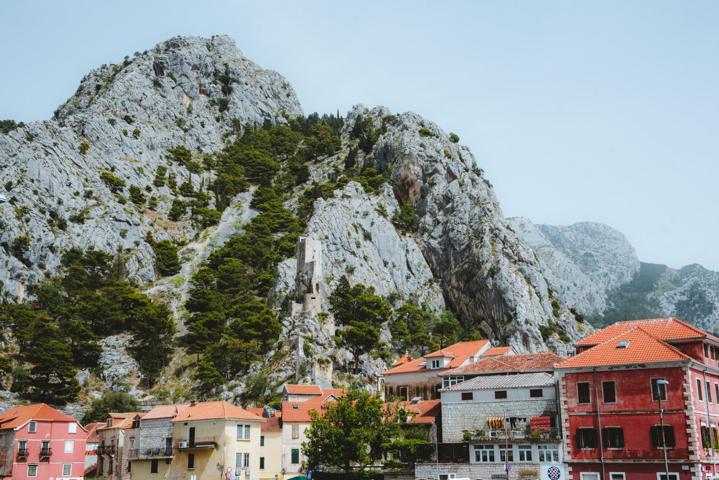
{"type": "Point", "coordinates": [116, 440]}
{"type": "Point", "coordinates": [153, 443]}
{"type": "Point", "coordinates": [215, 440]}
{"type": "Point", "coordinates": [270, 444]}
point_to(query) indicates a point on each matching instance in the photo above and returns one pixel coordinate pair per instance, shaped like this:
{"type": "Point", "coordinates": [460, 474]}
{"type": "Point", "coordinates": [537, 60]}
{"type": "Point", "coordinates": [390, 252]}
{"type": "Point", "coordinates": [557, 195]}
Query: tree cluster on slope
{"type": "Point", "coordinates": [59, 331]}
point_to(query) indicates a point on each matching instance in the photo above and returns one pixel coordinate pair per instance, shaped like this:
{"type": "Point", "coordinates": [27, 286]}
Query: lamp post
{"type": "Point", "coordinates": [661, 392]}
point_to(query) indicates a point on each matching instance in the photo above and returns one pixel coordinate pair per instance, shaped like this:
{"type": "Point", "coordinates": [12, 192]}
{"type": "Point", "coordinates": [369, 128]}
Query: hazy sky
{"type": "Point", "coordinates": [601, 111]}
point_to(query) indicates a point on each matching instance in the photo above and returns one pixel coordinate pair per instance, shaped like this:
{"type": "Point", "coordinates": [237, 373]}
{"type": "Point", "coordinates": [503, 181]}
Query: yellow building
{"type": "Point", "coordinates": [214, 440]}
{"type": "Point", "coordinates": [271, 449]}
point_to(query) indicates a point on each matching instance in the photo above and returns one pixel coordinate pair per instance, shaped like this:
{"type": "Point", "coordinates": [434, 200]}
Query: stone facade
{"type": "Point", "coordinates": [517, 471]}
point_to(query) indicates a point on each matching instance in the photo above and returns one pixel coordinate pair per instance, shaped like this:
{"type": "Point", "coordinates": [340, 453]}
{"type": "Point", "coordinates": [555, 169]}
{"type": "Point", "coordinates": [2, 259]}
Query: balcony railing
{"type": "Point", "coordinates": [551, 435]}
{"type": "Point", "coordinates": [198, 443]}
{"type": "Point", "coordinates": [22, 454]}
{"type": "Point", "coordinates": [45, 452]}
{"type": "Point", "coordinates": [106, 450]}
{"type": "Point", "coordinates": [143, 453]}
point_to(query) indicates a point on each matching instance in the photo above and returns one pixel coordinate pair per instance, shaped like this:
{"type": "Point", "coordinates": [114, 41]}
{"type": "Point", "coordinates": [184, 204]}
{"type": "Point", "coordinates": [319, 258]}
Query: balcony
{"type": "Point", "coordinates": [197, 444]}
{"type": "Point", "coordinates": [45, 452]}
{"type": "Point", "coordinates": [22, 454]}
{"type": "Point", "coordinates": [149, 453]}
{"type": "Point", "coordinates": [108, 450]}
{"type": "Point", "coordinates": [550, 435]}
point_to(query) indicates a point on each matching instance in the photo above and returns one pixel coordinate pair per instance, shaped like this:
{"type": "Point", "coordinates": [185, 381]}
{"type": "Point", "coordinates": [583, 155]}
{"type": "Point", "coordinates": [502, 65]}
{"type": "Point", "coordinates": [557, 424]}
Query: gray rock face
{"type": "Point", "coordinates": [185, 91]}
{"type": "Point", "coordinates": [489, 276]}
{"type": "Point", "coordinates": [584, 261]}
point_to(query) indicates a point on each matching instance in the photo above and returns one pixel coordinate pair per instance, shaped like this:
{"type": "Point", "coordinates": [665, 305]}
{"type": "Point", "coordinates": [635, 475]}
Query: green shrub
{"type": "Point", "coordinates": [160, 176]}
{"type": "Point", "coordinates": [115, 184]}
{"type": "Point", "coordinates": [425, 132]}
{"type": "Point", "coordinates": [453, 137]}
{"type": "Point", "coordinates": [84, 147]}
{"type": "Point", "coordinates": [177, 210]}
{"type": "Point", "coordinates": [136, 195]}
{"type": "Point", "coordinates": [406, 219]}
{"type": "Point", "coordinates": [136, 133]}
{"type": "Point", "coordinates": [7, 126]}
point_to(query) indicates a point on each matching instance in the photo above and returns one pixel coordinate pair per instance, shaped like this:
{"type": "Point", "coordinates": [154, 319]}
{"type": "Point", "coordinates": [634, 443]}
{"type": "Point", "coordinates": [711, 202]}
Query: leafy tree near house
{"type": "Point", "coordinates": [446, 329]}
{"type": "Point", "coordinates": [109, 402]}
{"type": "Point", "coordinates": [351, 434]}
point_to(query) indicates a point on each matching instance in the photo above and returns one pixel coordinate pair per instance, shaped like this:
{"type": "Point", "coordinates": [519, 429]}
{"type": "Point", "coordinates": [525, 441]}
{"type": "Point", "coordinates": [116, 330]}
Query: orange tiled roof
{"type": "Point", "coordinates": [662, 328]}
{"type": "Point", "coordinates": [424, 411]}
{"type": "Point", "coordinates": [92, 431]}
{"type": "Point", "coordinates": [273, 424]}
{"type": "Point", "coordinates": [526, 362]}
{"type": "Point", "coordinates": [215, 410]}
{"type": "Point", "coordinates": [493, 351]}
{"type": "Point", "coordinates": [18, 416]}
{"type": "Point", "coordinates": [459, 352]}
{"type": "Point", "coordinates": [403, 359]}
{"type": "Point", "coordinates": [641, 347]}
{"type": "Point", "coordinates": [294, 389]}
{"type": "Point", "coordinates": [165, 411]}
{"type": "Point", "coordinates": [300, 411]}
{"type": "Point", "coordinates": [121, 420]}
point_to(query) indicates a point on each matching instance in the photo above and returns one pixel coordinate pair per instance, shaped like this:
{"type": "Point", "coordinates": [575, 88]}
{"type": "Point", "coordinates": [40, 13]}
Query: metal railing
{"type": "Point", "coordinates": [197, 443]}
{"type": "Point", "coordinates": [141, 453]}
{"type": "Point", "coordinates": [549, 435]}
{"type": "Point", "coordinates": [22, 453]}
{"type": "Point", "coordinates": [45, 452]}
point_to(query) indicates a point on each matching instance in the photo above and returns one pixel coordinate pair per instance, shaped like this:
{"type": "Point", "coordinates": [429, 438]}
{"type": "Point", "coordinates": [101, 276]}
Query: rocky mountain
{"type": "Point", "coordinates": [141, 141]}
{"type": "Point", "coordinates": [597, 273]}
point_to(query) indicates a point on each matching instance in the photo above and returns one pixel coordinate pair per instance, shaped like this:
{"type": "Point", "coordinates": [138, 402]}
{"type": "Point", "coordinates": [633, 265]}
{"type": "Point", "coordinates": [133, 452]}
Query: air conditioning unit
{"type": "Point", "coordinates": [182, 444]}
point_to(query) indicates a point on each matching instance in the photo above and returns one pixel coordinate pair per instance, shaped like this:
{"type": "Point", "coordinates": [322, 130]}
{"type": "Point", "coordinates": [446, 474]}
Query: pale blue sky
{"type": "Point", "coordinates": [604, 111]}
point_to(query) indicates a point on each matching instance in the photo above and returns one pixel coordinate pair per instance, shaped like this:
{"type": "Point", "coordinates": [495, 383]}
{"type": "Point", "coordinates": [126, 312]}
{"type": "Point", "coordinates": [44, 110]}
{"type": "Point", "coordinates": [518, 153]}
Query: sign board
{"type": "Point", "coordinates": [551, 471]}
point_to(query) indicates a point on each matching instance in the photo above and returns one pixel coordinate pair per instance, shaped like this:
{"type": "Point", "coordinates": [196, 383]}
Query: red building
{"type": "Point", "coordinates": [611, 394]}
{"type": "Point", "coordinates": [37, 441]}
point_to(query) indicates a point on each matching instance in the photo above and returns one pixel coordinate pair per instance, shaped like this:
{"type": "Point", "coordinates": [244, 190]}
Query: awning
{"type": "Point", "coordinates": [495, 423]}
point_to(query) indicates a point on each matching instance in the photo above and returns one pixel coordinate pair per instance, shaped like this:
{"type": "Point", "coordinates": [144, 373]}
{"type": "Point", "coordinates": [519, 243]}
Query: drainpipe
{"type": "Point", "coordinates": [599, 422]}
{"type": "Point", "coordinates": [707, 392]}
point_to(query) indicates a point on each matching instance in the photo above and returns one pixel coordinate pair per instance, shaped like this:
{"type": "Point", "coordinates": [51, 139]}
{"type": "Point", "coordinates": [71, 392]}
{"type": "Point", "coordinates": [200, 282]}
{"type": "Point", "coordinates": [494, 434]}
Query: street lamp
{"type": "Point", "coordinates": [664, 384]}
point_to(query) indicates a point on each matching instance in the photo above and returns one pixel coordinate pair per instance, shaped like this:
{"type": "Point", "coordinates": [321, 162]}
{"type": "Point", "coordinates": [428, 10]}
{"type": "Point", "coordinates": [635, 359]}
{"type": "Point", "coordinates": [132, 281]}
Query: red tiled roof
{"type": "Point", "coordinates": [459, 352]}
{"type": "Point", "coordinates": [18, 416]}
{"type": "Point", "coordinates": [121, 420]}
{"type": "Point", "coordinates": [165, 411]}
{"type": "Point", "coordinates": [424, 411]}
{"type": "Point", "coordinates": [494, 351]}
{"type": "Point", "coordinates": [640, 346]}
{"type": "Point", "coordinates": [294, 389]}
{"type": "Point", "coordinates": [403, 359]}
{"type": "Point", "coordinates": [300, 411]}
{"type": "Point", "coordinates": [671, 329]}
{"type": "Point", "coordinates": [272, 424]}
{"type": "Point", "coordinates": [215, 410]}
{"type": "Point", "coordinates": [92, 431]}
{"type": "Point", "coordinates": [526, 362]}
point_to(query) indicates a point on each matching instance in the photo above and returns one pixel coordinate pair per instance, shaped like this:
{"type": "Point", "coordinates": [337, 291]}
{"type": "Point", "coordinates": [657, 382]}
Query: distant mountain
{"type": "Point", "coordinates": [597, 273]}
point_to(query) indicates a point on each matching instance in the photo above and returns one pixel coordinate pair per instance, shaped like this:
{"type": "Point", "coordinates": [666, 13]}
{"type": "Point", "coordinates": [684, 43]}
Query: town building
{"type": "Point", "coordinates": [420, 377]}
{"type": "Point", "coordinates": [152, 451]}
{"type": "Point", "coordinates": [37, 441]}
{"type": "Point", "coordinates": [215, 440]}
{"type": "Point", "coordinates": [497, 413]}
{"type": "Point", "coordinates": [91, 444]}
{"type": "Point", "coordinates": [270, 443]}
{"type": "Point", "coordinates": [296, 419]}
{"type": "Point", "coordinates": [117, 438]}
{"type": "Point", "coordinates": [640, 401]}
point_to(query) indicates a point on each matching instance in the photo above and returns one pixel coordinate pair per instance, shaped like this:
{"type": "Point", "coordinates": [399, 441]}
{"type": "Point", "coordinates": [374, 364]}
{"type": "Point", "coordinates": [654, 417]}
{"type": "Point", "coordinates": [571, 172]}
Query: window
{"type": "Point", "coordinates": [153, 465]}
{"type": "Point", "coordinates": [609, 392]}
{"type": "Point", "coordinates": [32, 470]}
{"type": "Point", "coordinates": [656, 433]}
{"type": "Point", "coordinates": [659, 391]}
{"type": "Point", "coordinates": [449, 381]}
{"type": "Point", "coordinates": [262, 440]}
{"type": "Point", "coordinates": [536, 393]}
{"type": "Point", "coordinates": [295, 431]}
{"type": "Point", "coordinates": [484, 453]}
{"type": "Point", "coordinates": [295, 456]}
{"type": "Point", "coordinates": [243, 432]}
{"type": "Point", "coordinates": [524, 453]}
{"type": "Point", "coordinates": [500, 394]}
{"type": "Point", "coordinates": [709, 392]}
{"type": "Point", "coordinates": [663, 476]}
{"type": "Point", "coordinates": [22, 446]}
{"type": "Point", "coordinates": [583, 393]}
{"type": "Point", "coordinates": [262, 463]}
{"type": "Point", "coordinates": [129, 466]}
{"type": "Point", "coordinates": [588, 476]}
{"type": "Point", "coordinates": [69, 446]}
{"type": "Point", "coordinates": [548, 453]}
{"type": "Point", "coordinates": [434, 364]}
{"type": "Point", "coordinates": [613, 437]}
{"type": "Point", "coordinates": [32, 428]}
{"type": "Point", "coordinates": [190, 460]}
{"type": "Point", "coordinates": [716, 391]}
{"type": "Point", "coordinates": [246, 460]}
{"type": "Point", "coordinates": [72, 428]}
{"type": "Point", "coordinates": [66, 469]}
{"type": "Point", "coordinates": [238, 461]}
{"type": "Point", "coordinates": [467, 396]}
{"type": "Point", "coordinates": [506, 453]}
{"type": "Point", "coordinates": [617, 476]}
{"type": "Point", "coordinates": [699, 389]}
{"type": "Point", "coordinates": [586, 438]}
{"type": "Point", "coordinates": [403, 393]}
